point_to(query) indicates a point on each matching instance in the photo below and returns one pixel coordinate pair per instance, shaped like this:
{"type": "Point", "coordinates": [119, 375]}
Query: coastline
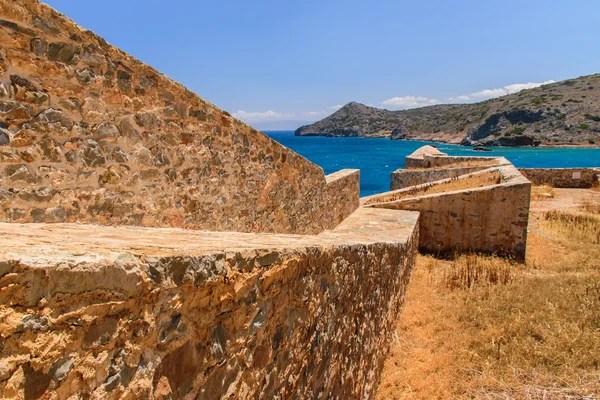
{"type": "Point", "coordinates": [541, 145]}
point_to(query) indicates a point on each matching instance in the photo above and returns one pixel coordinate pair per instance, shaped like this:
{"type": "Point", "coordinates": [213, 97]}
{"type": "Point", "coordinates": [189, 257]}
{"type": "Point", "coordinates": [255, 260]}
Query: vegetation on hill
{"type": "Point", "coordinates": [562, 113]}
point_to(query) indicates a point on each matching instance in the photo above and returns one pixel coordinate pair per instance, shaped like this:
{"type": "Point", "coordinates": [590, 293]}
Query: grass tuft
{"type": "Point", "coordinates": [468, 271]}
{"type": "Point", "coordinates": [581, 227]}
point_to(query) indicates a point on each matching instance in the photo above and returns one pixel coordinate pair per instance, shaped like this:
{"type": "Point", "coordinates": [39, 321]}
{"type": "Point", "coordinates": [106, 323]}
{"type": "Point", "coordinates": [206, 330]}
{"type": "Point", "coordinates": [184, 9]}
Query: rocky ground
{"type": "Point", "coordinates": [565, 113]}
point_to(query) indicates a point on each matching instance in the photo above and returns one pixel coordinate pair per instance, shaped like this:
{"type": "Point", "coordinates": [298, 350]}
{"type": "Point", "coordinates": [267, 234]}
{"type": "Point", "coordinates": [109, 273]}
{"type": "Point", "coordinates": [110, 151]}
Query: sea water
{"type": "Point", "coordinates": [378, 158]}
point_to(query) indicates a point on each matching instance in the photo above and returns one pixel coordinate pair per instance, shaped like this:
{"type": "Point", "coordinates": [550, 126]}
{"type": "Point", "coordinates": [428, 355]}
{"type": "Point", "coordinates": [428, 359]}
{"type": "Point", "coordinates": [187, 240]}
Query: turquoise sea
{"type": "Point", "coordinates": [378, 158]}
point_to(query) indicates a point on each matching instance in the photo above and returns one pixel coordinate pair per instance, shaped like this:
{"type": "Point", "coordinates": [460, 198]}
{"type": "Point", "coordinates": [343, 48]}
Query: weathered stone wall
{"type": "Point", "coordinates": [104, 312]}
{"type": "Point", "coordinates": [562, 177]}
{"type": "Point", "coordinates": [90, 134]}
{"type": "Point", "coordinates": [490, 219]}
{"type": "Point", "coordinates": [436, 161]}
{"type": "Point", "coordinates": [403, 178]}
{"type": "Point", "coordinates": [343, 194]}
{"type": "Point", "coordinates": [417, 158]}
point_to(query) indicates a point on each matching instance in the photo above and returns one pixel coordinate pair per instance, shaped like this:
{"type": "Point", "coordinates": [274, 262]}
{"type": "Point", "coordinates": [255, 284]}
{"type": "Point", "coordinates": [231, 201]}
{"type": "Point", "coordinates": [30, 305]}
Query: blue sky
{"type": "Point", "coordinates": [267, 61]}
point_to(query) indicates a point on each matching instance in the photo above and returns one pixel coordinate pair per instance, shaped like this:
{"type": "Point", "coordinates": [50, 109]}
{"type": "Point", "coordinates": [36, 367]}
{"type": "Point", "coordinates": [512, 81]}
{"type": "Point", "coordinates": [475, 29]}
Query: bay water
{"type": "Point", "coordinates": [378, 158]}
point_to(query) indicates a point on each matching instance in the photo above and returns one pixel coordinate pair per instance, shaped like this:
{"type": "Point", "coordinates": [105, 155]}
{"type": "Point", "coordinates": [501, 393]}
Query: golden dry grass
{"type": "Point", "coordinates": [542, 193]}
{"type": "Point", "coordinates": [488, 328]}
{"type": "Point", "coordinates": [590, 207]}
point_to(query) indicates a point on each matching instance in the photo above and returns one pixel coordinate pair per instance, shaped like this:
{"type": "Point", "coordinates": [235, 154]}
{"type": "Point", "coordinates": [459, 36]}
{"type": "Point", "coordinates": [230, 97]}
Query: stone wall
{"type": "Point", "coordinates": [128, 312]}
{"type": "Point", "coordinates": [436, 161]}
{"type": "Point", "coordinates": [403, 178]}
{"type": "Point", "coordinates": [343, 194]}
{"type": "Point", "coordinates": [90, 134]}
{"type": "Point", "coordinates": [417, 158]}
{"type": "Point", "coordinates": [489, 219]}
{"type": "Point", "coordinates": [563, 177]}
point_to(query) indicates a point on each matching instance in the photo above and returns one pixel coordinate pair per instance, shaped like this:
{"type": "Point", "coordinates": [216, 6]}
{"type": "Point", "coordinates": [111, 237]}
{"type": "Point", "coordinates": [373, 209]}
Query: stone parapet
{"type": "Point", "coordinates": [437, 161]}
{"type": "Point", "coordinates": [562, 177]}
{"type": "Point", "coordinates": [127, 312]}
{"type": "Point", "coordinates": [417, 158]}
{"type": "Point", "coordinates": [343, 195]}
{"type": "Point", "coordinates": [440, 169]}
{"type": "Point", "coordinates": [491, 218]}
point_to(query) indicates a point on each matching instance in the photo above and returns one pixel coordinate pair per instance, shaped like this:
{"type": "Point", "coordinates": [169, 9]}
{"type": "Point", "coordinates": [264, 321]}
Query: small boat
{"type": "Point", "coordinates": [481, 148]}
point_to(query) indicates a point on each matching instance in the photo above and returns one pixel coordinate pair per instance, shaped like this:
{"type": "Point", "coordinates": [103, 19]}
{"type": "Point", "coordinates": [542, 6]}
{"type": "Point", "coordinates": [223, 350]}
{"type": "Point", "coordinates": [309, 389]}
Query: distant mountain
{"type": "Point", "coordinates": [279, 125]}
{"type": "Point", "coordinates": [562, 113]}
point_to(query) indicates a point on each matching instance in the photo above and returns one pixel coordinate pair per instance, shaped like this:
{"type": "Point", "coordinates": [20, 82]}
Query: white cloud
{"type": "Point", "coordinates": [409, 102]}
{"type": "Point", "coordinates": [250, 117]}
{"type": "Point", "coordinates": [491, 93]}
{"type": "Point", "coordinates": [315, 113]}
{"type": "Point", "coordinates": [336, 107]}
{"type": "Point", "coordinates": [270, 115]}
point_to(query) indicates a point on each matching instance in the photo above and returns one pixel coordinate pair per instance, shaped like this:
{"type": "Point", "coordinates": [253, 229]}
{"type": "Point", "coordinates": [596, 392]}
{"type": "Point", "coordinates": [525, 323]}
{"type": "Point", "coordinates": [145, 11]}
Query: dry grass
{"type": "Point", "coordinates": [470, 271]}
{"type": "Point", "coordinates": [590, 207]}
{"type": "Point", "coordinates": [487, 328]}
{"type": "Point", "coordinates": [542, 193]}
{"type": "Point", "coordinates": [583, 228]}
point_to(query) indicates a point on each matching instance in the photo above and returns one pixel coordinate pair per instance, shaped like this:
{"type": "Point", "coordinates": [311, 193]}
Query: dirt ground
{"type": "Point", "coordinates": [509, 331]}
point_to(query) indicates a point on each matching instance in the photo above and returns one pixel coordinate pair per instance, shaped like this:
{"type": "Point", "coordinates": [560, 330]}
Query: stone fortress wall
{"type": "Point", "coordinates": [281, 285]}
{"type": "Point", "coordinates": [563, 177]}
{"type": "Point", "coordinates": [278, 287]}
{"type": "Point", "coordinates": [489, 218]}
{"type": "Point", "coordinates": [129, 312]}
{"type": "Point", "coordinates": [88, 133]}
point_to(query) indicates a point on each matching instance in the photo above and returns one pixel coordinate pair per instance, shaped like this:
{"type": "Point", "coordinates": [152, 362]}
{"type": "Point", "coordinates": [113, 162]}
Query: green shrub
{"type": "Point", "coordinates": [593, 117]}
{"type": "Point", "coordinates": [591, 141]}
{"type": "Point", "coordinates": [537, 100]}
{"type": "Point", "coordinates": [584, 126]}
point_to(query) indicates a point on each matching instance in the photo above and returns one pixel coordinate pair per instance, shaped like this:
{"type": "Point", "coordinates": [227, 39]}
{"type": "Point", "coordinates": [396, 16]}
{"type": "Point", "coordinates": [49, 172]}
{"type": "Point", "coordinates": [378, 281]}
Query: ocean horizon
{"type": "Point", "coordinates": [377, 158]}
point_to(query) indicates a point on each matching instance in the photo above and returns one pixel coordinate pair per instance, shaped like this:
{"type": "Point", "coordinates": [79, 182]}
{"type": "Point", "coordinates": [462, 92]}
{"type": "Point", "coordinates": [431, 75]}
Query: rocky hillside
{"type": "Point", "coordinates": [562, 113]}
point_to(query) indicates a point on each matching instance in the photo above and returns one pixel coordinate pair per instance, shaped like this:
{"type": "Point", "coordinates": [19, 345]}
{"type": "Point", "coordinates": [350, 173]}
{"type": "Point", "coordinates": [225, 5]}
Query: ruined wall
{"type": "Point", "coordinates": [130, 312]}
{"type": "Point", "coordinates": [343, 194]}
{"type": "Point", "coordinates": [89, 133]}
{"type": "Point", "coordinates": [562, 177]}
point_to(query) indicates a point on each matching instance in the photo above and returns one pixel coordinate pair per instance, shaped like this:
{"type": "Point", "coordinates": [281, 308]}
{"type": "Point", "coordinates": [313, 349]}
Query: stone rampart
{"type": "Point", "coordinates": [488, 219]}
{"type": "Point", "coordinates": [417, 158]}
{"type": "Point", "coordinates": [90, 134]}
{"type": "Point", "coordinates": [437, 161]}
{"type": "Point", "coordinates": [441, 167]}
{"type": "Point", "coordinates": [129, 312]}
{"type": "Point", "coordinates": [563, 177]}
{"type": "Point", "coordinates": [343, 194]}
{"type": "Point", "coordinates": [403, 178]}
